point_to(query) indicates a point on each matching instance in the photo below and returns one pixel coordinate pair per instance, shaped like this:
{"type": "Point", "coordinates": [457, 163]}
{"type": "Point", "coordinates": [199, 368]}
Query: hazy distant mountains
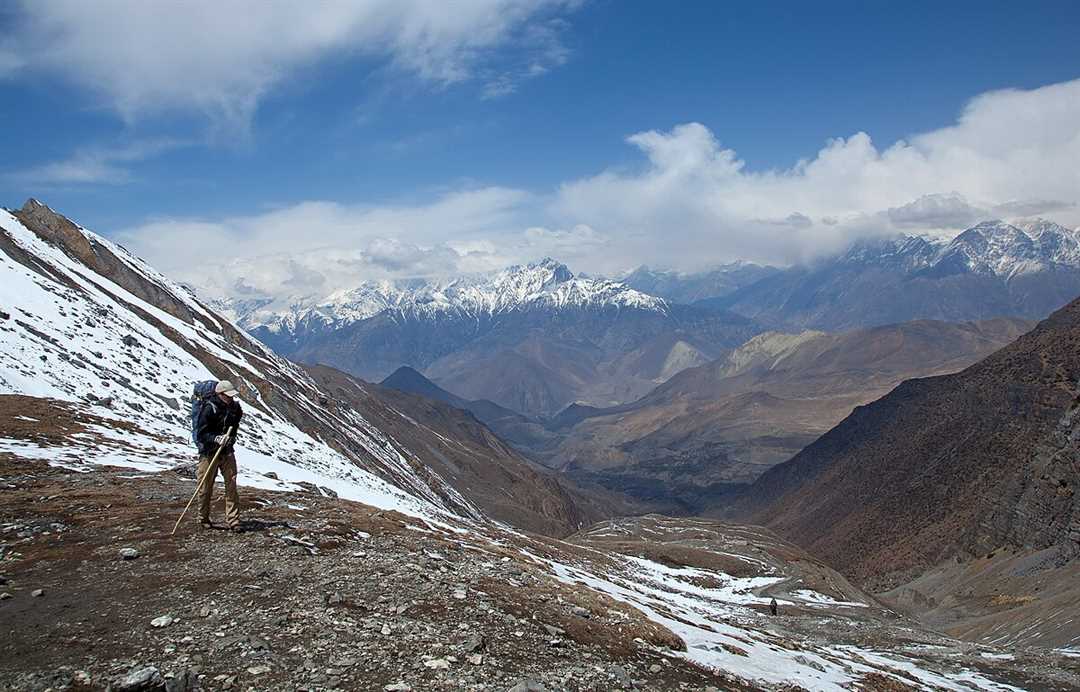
{"type": "Point", "coordinates": [990, 270]}
{"type": "Point", "coordinates": [536, 338]}
{"type": "Point", "coordinates": [678, 287]}
{"type": "Point", "coordinates": [532, 338]}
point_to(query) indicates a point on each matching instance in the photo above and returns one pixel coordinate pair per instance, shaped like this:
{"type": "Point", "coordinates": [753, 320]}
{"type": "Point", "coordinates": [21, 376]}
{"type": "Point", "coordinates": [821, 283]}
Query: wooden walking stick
{"type": "Point", "coordinates": [210, 471]}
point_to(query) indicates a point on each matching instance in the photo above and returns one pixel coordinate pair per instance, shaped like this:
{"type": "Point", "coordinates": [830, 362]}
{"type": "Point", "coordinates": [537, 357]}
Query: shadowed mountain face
{"type": "Point", "coordinates": [993, 269]}
{"type": "Point", "coordinates": [523, 433]}
{"type": "Point", "coordinates": [460, 448]}
{"type": "Point", "coordinates": [945, 467]}
{"type": "Point", "coordinates": [707, 428]}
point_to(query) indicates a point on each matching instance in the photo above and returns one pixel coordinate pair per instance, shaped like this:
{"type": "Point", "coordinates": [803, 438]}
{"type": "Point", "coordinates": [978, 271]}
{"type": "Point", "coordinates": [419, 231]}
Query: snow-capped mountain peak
{"type": "Point", "coordinates": [546, 284]}
{"type": "Point", "coordinates": [995, 248]}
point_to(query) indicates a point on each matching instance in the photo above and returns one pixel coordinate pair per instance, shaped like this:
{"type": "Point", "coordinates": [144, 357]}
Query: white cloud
{"type": "Point", "coordinates": [693, 204]}
{"type": "Point", "coordinates": [100, 164]}
{"type": "Point", "coordinates": [696, 203]}
{"type": "Point", "coordinates": [220, 58]}
{"type": "Point", "coordinates": [937, 211]}
{"type": "Point", "coordinates": [324, 245]}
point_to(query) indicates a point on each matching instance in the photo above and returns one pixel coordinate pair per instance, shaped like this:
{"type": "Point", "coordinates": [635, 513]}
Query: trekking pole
{"type": "Point", "coordinates": [210, 470]}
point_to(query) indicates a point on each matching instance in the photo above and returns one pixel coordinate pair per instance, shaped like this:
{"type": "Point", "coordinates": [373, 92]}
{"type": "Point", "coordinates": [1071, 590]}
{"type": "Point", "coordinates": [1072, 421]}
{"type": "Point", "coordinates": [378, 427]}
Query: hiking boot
{"type": "Point", "coordinates": [205, 524]}
{"type": "Point", "coordinates": [236, 529]}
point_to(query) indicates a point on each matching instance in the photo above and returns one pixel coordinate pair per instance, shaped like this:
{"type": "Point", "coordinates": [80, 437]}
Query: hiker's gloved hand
{"type": "Point", "coordinates": [221, 440]}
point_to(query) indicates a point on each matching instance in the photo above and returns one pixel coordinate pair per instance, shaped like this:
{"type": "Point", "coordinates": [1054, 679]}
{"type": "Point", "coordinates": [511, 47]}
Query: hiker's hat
{"type": "Point", "coordinates": [225, 387]}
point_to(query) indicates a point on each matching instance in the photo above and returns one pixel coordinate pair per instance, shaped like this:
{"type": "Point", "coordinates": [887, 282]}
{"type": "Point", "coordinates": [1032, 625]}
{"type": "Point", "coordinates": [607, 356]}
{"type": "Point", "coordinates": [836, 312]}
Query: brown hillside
{"type": "Point", "coordinates": [945, 466]}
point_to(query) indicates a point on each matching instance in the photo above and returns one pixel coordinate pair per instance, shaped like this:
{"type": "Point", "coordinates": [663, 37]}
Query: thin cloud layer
{"type": "Point", "coordinates": [107, 165]}
{"type": "Point", "coordinates": [222, 58]}
{"type": "Point", "coordinates": [692, 205]}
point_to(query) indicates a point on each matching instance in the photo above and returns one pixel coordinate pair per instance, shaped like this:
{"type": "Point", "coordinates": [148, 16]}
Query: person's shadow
{"type": "Point", "coordinates": [250, 525]}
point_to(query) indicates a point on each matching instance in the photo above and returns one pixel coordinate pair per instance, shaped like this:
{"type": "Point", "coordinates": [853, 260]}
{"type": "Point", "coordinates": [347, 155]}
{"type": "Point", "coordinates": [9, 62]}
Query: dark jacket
{"type": "Point", "coordinates": [214, 419]}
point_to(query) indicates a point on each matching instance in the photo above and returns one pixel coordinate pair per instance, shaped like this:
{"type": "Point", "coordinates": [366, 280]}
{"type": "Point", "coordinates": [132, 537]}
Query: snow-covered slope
{"type": "Point", "coordinates": [86, 323]}
{"type": "Point", "coordinates": [542, 285]}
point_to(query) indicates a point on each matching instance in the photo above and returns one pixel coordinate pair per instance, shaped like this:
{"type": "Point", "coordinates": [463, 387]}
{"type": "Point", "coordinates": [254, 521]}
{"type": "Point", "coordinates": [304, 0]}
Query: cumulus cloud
{"type": "Point", "coordinates": [221, 58]}
{"type": "Point", "coordinates": [695, 202]}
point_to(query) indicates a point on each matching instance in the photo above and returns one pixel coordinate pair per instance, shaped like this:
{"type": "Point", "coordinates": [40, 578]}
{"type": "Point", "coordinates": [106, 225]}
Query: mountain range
{"type": "Point", "coordinates": [990, 270]}
{"type": "Point", "coordinates": [532, 338]}
{"type": "Point", "coordinates": [536, 338]}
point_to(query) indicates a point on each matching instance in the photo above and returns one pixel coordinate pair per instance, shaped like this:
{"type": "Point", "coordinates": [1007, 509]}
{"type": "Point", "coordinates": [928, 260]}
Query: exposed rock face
{"type": "Point", "coordinates": [942, 467]}
{"type": "Point", "coordinates": [1041, 508]}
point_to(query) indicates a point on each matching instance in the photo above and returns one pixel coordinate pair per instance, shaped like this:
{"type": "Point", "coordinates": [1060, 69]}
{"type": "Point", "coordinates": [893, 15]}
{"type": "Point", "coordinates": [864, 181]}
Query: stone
{"type": "Point", "coordinates": [335, 599]}
{"type": "Point", "coordinates": [553, 630]}
{"type": "Point", "coordinates": [130, 341]}
{"type": "Point", "coordinates": [37, 593]}
{"type": "Point", "coordinates": [258, 644]}
{"type": "Point", "coordinates": [258, 670]}
{"type": "Point", "coordinates": [622, 676]}
{"type": "Point", "coordinates": [475, 659]}
{"type": "Point", "coordinates": [475, 642]}
{"type": "Point", "coordinates": [581, 612]}
{"type": "Point", "coordinates": [397, 687]}
{"type": "Point", "coordinates": [162, 621]}
{"type": "Point", "coordinates": [386, 629]}
{"type": "Point", "coordinates": [459, 594]}
{"type": "Point", "coordinates": [528, 685]}
{"type": "Point", "coordinates": [187, 680]}
{"type": "Point", "coordinates": [146, 678]}
{"type": "Point", "coordinates": [5, 596]}
{"type": "Point", "coordinates": [655, 668]}
{"type": "Point", "coordinates": [438, 664]}
{"type": "Point", "coordinates": [128, 553]}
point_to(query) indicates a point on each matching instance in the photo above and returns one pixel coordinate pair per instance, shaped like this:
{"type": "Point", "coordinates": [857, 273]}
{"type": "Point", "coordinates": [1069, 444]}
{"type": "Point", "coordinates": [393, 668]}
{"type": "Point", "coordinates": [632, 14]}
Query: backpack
{"type": "Point", "coordinates": [199, 396]}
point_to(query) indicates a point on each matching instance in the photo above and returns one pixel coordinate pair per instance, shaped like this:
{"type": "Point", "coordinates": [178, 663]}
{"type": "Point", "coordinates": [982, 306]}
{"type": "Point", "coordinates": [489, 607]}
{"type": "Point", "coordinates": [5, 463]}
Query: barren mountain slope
{"type": "Point", "coordinates": [947, 467]}
{"type": "Point", "coordinates": [728, 421]}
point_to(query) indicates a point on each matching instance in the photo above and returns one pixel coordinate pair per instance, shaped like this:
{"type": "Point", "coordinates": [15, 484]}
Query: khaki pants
{"type": "Point", "coordinates": [226, 465]}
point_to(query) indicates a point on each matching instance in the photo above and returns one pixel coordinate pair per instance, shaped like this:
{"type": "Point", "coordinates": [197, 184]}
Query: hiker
{"type": "Point", "coordinates": [218, 412]}
{"type": "Point", "coordinates": [773, 607]}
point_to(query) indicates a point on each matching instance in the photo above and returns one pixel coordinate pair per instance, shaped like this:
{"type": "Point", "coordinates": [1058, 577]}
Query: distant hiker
{"type": "Point", "coordinates": [772, 607]}
{"type": "Point", "coordinates": [214, 411]}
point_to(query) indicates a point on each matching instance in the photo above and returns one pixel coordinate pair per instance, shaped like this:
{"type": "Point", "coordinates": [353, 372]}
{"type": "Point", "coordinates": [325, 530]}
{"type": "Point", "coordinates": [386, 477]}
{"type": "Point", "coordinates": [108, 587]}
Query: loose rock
{"type": "Point", "coordinates": [141, 679]}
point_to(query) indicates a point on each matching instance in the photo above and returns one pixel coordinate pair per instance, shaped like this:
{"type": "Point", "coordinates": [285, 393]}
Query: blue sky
{"type": "Point", "coordinates": [154, 128]}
